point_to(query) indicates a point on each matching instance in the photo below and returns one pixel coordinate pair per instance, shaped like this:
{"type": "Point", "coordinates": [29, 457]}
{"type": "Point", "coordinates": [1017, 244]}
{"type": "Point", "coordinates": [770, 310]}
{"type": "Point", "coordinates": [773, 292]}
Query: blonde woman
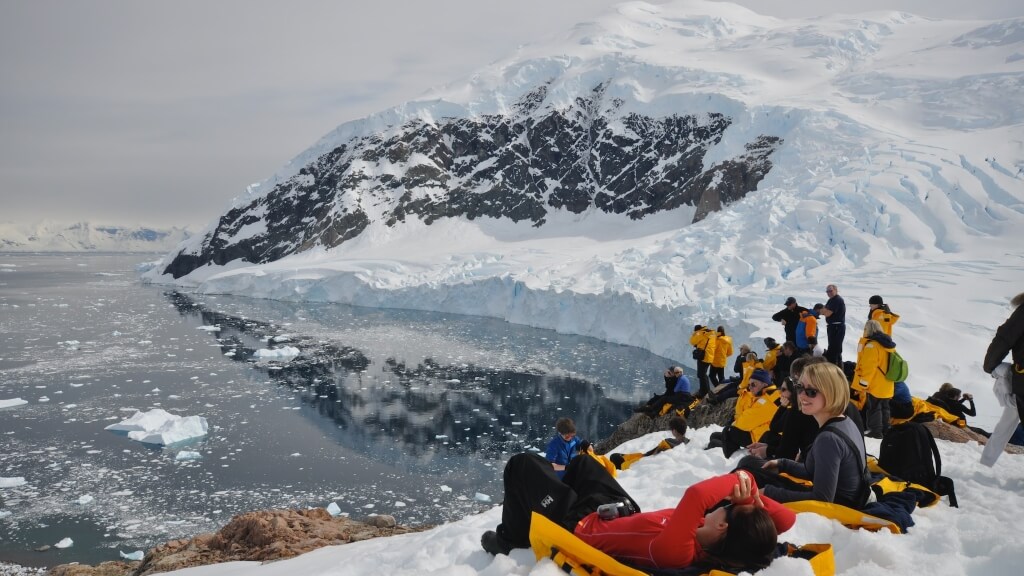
{"type": "Point", "coordinates": [872, 361]}
{"type": "Point", "coordinates": [836, 461]}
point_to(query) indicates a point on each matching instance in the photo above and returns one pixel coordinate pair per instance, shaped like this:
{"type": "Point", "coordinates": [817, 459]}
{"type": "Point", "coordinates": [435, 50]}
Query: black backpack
{"type": "Point", "coordinates": [909, 453]}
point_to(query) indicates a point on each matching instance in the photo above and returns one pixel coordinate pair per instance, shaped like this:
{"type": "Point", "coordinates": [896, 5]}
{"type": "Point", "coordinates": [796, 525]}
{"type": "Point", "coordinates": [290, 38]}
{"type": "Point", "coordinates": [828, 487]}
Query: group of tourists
{"type": "Point", "coordinates": [801, 425]}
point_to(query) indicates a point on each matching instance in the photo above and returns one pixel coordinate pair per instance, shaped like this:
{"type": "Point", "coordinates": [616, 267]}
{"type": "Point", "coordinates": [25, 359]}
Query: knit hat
{"type": "Point", "coordinates": [876, 299]}
{"type": "Point", "coordinates": [790, 300]}
{"type": "Point", "coordinates": [761, 375]}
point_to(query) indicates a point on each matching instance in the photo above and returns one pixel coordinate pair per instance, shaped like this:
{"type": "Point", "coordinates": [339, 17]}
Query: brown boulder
{"type": "Point", "coordinates": [255, 536]}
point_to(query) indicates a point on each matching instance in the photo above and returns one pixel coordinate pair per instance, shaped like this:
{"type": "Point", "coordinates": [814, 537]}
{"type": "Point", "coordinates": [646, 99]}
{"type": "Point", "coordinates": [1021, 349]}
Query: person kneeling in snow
{"type": "Point", "coordinates": [723, 518]}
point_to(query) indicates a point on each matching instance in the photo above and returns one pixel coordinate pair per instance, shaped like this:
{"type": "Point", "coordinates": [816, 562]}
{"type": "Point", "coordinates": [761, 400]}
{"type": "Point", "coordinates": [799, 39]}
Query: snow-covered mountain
{"type": "Point", "coordinates": [667, 165]}
{"type": "Point", "coordinates": [87, 237]}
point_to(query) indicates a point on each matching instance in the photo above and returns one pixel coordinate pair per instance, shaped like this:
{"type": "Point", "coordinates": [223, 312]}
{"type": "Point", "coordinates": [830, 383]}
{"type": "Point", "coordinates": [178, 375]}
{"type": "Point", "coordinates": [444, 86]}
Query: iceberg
{"type": "Point", "coordinates": [65, 543]}
{"type": "Point", "coordinates": [160, 427]}
{"type": "Point", "coordinates": [12, 482]}
{"type": "Point", "coordinates": [12, 403]}
{"type": "Point", "coordinates": [333, 509]}
{"type": "Point", "coordinates": [137, 555]}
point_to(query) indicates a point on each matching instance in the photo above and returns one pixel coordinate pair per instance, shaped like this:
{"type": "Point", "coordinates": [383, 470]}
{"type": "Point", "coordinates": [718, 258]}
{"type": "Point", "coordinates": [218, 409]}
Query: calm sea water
{"type": "Point", "coordinates": [395, 412]}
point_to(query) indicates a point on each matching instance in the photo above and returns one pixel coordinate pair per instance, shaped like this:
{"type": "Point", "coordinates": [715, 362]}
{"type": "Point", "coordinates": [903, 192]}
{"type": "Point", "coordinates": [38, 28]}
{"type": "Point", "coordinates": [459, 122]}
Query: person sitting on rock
{"type": "Point", "coordinates": [677, 393]}
{"type": "Point", "coordinates": [755, 409]}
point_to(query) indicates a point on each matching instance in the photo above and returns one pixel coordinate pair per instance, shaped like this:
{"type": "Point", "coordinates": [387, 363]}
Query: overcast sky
{"type": "Point", "coordinates": [159, 113]}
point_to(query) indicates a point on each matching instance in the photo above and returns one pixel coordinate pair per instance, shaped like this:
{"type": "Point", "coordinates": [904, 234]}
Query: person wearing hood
{"type": "Point", "coordinates": [872, 362]}
{"type": "Point", "coordinates": [772, 349]}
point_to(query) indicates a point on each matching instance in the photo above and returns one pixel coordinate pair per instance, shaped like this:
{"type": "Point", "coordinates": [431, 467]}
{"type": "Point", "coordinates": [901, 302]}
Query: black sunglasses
{"type": "Point", "coordinates": [810, 392]}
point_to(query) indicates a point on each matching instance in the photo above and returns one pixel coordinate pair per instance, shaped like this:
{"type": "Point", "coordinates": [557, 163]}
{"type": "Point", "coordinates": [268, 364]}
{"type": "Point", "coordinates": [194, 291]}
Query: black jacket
{"type": "Point", "coordinates": [792, 318]}
{"type": "Point", "coordinates": [1009, 339]}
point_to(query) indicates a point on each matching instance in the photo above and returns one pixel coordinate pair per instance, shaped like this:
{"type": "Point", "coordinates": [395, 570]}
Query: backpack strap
{"type": "Point", "coordinates": [943, 485]}
{"type": "Point", "coordinates": [864, 492]}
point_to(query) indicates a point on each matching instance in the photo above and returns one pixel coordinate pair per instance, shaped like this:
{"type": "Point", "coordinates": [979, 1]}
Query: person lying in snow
{"type": "Point", "coordinates": [724, 518]}
{"type": "Point", "coordinates": [677, 425]}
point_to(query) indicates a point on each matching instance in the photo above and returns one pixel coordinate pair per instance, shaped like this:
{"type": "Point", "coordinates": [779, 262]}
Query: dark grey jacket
{"type": "Point", "coordinates": [835, 471]}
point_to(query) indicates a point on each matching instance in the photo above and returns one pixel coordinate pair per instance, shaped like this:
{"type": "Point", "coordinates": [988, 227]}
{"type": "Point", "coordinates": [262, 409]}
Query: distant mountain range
{"type": "Point", "coordinates": [88, 237]}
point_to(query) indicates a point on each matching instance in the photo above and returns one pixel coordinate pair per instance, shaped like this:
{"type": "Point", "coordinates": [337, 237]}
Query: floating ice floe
{"type": "Point", "coordinates": [69, 344]}
{"type": "Point", "coordinates": [160, 427]}
{"type": "Point", "coordinates": [445, 488]}
{"type": "Point", "coordinates": [12, 403]}
{"type": "Point", "coordinates": [188, 455]}
{"type": "Point", "coordinates": [281, 338]}
{"type": "Point", "coordinates": [209, 328]}
{"type": "Point", "coordinates": [12, 482]}
{"type": "Point", "coordinates": [481, 497]}
{"type": "Point", "coordinates": [137, 555]}
{"type": "Point", "coordinates": [277, 353]}
{"type": "Point", "coordinates": [65, 543]}
{"type": "Point", "coordinates": [85, 499]}
{"type": "Point", "coordinates": [333, 509]}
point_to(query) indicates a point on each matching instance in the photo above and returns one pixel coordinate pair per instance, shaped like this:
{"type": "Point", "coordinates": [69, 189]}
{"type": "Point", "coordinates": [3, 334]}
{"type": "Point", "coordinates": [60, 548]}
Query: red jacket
{"type": "Point", "coordinates": [668, 538]}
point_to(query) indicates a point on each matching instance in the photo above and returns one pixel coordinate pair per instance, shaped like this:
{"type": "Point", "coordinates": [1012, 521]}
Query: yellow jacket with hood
{"type": "Point", "coordinates": [705, 340]}
{"type": "Point", "coordinates": [886, 318]}
{"type": "Point", "coordinates": [872, 362]}
{"type": "Point", "coordinates": [757, 412]}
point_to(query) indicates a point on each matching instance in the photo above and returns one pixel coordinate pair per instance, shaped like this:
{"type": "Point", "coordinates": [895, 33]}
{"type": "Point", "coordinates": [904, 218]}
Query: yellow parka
{"type": "Point", "coordinates": [705, 340]}
{"type": "Point", "coordinates": [757, 412]}
{"type": "Point", "coordinates": [872, 362]}
{"type": "Point", "coordinates": [886, 319]}
{"type": "Point", "coordinates": [723, 349]}
{"type": "Point", "coordinates": [770, 357]}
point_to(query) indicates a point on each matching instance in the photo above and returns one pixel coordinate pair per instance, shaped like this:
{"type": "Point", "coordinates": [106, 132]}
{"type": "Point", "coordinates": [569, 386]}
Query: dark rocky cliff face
{"type": "Point", "coordinates": [518, 166]}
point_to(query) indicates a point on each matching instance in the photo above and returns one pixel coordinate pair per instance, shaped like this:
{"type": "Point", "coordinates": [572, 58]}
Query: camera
{"type": "Point", "coordinates": [613, 510]}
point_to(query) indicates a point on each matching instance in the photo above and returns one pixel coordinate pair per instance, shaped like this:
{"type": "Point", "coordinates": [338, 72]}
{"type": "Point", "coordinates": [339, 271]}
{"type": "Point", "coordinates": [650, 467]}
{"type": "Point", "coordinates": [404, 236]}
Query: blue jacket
{"type": "Point", "coordinates": [560, 451]}
{"type": "Point", "coordinates": [682, 385]}
{"type": "Point", "coordinates": [801, 332]}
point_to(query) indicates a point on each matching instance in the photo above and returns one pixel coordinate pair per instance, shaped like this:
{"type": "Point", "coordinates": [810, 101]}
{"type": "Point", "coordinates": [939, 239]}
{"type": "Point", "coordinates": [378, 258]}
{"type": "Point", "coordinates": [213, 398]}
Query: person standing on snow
{"type": "Point", "coordinates": [1009, 339]}
{"type": "Point", "coordinates": [835, 324]}
{"type": "Point", "coordinates": [789, 317]}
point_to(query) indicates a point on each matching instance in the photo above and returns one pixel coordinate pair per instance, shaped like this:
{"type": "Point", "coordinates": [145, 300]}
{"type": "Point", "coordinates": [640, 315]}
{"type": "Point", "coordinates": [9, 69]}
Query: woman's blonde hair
{"type": "Point", "coordinates": [831, 383]}
{"type": "Point", "coordinates": [872, 327]}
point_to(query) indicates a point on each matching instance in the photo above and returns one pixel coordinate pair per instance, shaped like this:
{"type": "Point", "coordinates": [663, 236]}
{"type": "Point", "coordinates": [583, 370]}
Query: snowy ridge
{"type": "Point", "coordinates": [87, 237]}
{"type": "Point", "coordinates": [901, 173]}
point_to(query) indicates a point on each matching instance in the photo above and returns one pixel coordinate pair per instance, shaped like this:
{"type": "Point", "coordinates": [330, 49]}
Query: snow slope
{"type": "Point", "coordinates": [972, 539]}
{"type": "Point", "coordinates": [901, 174]}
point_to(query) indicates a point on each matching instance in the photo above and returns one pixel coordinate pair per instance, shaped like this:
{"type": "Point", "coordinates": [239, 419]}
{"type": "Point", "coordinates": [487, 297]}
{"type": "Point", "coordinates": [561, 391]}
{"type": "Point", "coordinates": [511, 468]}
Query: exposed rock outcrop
{"type": "Point", "coordinates": [520, 165]}
{"type": "Point", "coordinates": [254, 536]}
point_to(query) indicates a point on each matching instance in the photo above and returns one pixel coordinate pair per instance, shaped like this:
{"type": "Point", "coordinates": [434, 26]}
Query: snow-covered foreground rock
{"type": "Point", "coordinates": [975, 539]}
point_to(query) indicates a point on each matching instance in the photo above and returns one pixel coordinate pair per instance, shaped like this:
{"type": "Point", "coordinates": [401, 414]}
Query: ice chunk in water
{"type": "Point", "coordinates": [12, 403]}
{"type": "Point", "coordinates": [481, 497]}
{"type": "Point", "coordinates": [137, 555]}
{"type": "Point", "coordinates": [160, 427]}
{"type": "Point", "coordinates": [188, 455]}
{"type": "Point", "coordinates": [12, 482]}
{"type": "Point", "coordinates": [333, 509]}
{"type": "Point", "coordinates": [85, 499]}
{"type": "Point", "coordinates": [65, 543]}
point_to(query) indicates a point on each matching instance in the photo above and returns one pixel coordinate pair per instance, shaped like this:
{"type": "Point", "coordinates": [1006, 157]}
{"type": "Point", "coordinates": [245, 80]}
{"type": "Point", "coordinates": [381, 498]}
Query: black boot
{"type": "Point", "coordinates": [495, 544]}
